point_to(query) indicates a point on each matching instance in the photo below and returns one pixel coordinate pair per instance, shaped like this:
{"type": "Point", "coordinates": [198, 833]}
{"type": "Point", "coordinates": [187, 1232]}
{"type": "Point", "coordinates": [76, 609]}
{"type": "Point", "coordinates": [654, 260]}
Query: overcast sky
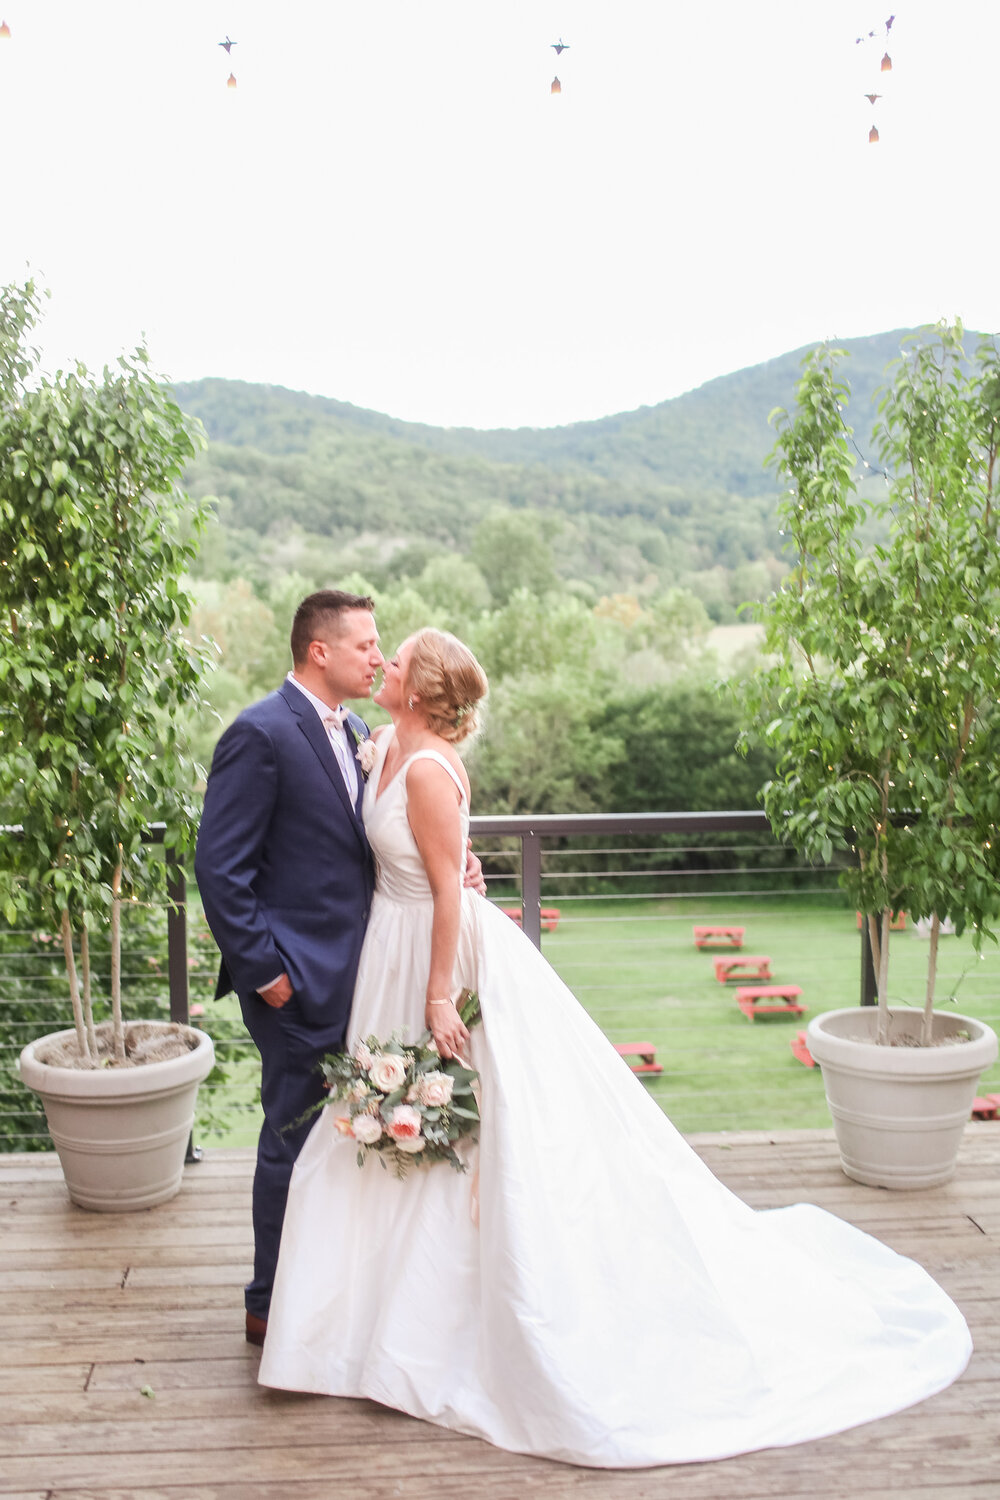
{"type": "Point", "coordinates": [392, 208]}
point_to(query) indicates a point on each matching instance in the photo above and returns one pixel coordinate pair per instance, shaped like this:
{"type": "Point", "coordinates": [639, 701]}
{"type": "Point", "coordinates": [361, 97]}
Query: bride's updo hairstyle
{"type": "Point", "coordinates": [449, 682]}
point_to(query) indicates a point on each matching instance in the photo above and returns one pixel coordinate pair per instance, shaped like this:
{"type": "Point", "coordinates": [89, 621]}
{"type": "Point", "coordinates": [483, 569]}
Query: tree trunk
{"type": "Point", "coordinates": [74, 988]}
{"type": "Point", "coordinates": [116, 966]}
{"type": "Point", "coordinates": [882, 1033]}
{"type": "Point", "coordinates": [927, 1029]}
{"type": "Point", "coordinates": [88, 1004]}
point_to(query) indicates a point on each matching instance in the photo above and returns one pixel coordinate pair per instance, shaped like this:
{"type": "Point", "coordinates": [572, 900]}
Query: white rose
{"type": "Point", "coordinates": [387, 1072]}
{"type": "Point", "coordinates": [411, 1145]}
{"type": "Point", "coordinates": [436, 1089]}
{"type": "Point", "coordinates": [363, 1056]}
{"type": "Point", "coordinates": [366, 1129]}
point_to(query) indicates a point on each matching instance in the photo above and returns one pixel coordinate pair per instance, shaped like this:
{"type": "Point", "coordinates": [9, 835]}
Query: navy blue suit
{"type": "Point", "coordinates": [285, 878]}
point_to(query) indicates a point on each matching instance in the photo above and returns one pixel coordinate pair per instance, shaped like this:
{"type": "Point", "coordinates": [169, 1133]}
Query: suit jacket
{"type": "Point", "coordinates": [282, 863]}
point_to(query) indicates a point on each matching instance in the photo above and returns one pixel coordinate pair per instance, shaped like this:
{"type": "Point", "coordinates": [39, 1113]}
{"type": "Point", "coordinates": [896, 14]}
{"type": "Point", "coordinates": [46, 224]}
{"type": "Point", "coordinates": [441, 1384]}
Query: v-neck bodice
{"type": "Point", "coordinates": [399, 870]}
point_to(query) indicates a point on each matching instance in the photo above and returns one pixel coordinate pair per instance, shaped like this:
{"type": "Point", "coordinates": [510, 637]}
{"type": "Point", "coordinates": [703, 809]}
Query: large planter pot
{"type": "Point", "coordinates": [121, 1133]}
{"type": "Point", "coordinates": [899, 1112]}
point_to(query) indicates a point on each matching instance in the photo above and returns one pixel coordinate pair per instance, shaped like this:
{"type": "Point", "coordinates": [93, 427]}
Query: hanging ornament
{"type": "Point", "coordinates": [872, 97]}
{"type": "Point", "coordinates": [886, 63]}
{"type": "Point", "coordinates": [228, 45]}
{"type": "Point", "coordinates": [231, 81]}
{"type": "Point", "coordinates": [887, 28]}
{"type": "Point", "coordinates": [872, 136]}
{"type": "Point", "coordinates": [559, 47]}
{"type": "Point", "coordinates": [556, 87]}
{"type": "Point", "coordinates": [4, 29]}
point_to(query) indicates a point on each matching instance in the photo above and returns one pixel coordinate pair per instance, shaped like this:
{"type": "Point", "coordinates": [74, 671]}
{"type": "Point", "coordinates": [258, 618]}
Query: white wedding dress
{"type": "Point", "coordinates": [614, 1305]}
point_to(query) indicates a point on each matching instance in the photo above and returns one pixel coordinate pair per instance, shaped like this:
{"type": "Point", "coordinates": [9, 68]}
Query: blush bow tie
{"type": "Point", "coordinates": [336, 718]}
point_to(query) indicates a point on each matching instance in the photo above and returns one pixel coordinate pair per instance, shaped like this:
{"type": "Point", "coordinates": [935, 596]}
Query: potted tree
{"type": "Point", "coordinates": [880, 696]}
{"type": "Point", "coordinates": [95, 533]}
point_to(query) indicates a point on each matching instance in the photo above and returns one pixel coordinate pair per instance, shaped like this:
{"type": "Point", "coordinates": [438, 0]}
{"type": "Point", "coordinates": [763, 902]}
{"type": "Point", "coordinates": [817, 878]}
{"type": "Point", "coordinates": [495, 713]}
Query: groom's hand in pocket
{"type": "Point", "coordinates": [277, 994]}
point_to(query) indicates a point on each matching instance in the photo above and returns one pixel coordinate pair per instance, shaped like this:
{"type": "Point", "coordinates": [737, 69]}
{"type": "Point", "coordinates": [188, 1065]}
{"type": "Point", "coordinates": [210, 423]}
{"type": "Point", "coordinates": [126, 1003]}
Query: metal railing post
{"type": "Point", "coordinates": [177, 958]}
{"type": "Point", "coordinates": [869, 987]}
{"type": "Point", "coordinates": [531, 887]}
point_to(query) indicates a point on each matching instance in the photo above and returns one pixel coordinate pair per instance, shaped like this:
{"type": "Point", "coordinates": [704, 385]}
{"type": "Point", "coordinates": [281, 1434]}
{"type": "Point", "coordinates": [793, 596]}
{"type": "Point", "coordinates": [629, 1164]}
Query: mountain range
{"type": "Point", "coordinates": [715, 436]}
{"type": "Point", "coordinates": [679, 488]}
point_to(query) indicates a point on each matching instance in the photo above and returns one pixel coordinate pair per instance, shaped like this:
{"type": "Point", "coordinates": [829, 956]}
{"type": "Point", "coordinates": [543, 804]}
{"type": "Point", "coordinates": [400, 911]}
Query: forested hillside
{"type": "Point", "coordinates": [584, 564]}
{"type": "Point", "coordinates": [714, 437]}
{"type": "Point", "coordinates": [674, 495]}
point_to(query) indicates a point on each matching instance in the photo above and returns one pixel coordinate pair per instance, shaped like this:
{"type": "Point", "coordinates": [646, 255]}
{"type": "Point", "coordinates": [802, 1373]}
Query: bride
{"type": "Point", "coordinates": [587, 1290]}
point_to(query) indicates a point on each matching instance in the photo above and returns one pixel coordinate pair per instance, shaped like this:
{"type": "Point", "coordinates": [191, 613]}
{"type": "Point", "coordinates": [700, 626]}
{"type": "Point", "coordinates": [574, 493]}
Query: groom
{"type": "Point", "coordinates": [286, 880]}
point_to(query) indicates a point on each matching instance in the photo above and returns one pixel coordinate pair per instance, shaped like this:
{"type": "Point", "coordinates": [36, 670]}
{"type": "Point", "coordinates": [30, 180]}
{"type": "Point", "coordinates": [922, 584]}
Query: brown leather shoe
{"type": "Point", "coordinates": [256, 1329]}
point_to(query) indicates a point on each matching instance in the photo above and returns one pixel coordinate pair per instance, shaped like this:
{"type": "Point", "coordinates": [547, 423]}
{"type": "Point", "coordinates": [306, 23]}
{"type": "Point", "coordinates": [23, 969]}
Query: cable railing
{"type": "Point", "coordinates": [611, 900]}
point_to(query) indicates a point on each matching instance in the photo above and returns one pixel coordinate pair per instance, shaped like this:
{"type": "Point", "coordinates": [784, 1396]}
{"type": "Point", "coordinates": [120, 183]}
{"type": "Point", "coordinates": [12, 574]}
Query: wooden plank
{"type": "Point", "coordinates": [31, 1302]}
{"type": "Point", "coordinates": [300, 1423]}
{"type": "Point", "coordinates": [157, 1343]}
{"type": "Point", "coordinates": [42, 1379]}
{"type": "Point", "coordinates": [236, 1368]}
{"type": "Point", "coordinates": [616, 1485]}
{"type": "Point", "coordinates": [243, 1402]}
{"type": "Point", "coordinates": [81, 1280]}
{"type": "Point", "coordinates": [959, 1458]}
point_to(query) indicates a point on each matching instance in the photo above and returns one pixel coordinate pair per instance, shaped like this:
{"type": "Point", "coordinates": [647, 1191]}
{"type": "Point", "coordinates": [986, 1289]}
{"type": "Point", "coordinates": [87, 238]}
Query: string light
{"type": "Point", "coordinates": [872, 468]}
{"type": "Point", "coordinates": [884, 67]}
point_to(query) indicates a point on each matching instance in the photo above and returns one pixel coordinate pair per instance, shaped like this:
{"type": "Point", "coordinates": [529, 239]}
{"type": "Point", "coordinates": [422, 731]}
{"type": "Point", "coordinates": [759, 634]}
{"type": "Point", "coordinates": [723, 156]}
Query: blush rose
{"type": "Point", "coordinates": [404, 1125]}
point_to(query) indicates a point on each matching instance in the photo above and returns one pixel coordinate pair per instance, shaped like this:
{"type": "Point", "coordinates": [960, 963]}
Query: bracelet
{"type": "Point", "coordinates": [440, 1002]}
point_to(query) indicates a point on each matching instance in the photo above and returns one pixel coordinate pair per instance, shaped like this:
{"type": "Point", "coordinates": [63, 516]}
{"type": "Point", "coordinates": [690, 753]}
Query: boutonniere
{"type": "Point", "coordinates": [365, 755]}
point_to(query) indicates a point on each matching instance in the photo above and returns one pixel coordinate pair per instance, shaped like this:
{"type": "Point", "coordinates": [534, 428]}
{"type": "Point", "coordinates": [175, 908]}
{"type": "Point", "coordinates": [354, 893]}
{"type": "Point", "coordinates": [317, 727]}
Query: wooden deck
{"type": "Point", "coordinates": [98, 1309]}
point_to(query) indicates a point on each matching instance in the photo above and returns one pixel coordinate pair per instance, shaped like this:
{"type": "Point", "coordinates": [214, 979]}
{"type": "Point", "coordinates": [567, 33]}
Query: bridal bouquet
{"type": "Point", "coordinates": [404, 1103]}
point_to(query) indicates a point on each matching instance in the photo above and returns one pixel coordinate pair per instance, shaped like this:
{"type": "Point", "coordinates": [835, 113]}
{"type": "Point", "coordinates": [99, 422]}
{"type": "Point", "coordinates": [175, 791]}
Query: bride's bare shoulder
{"type": "Point", "coordinates": [422, 770]}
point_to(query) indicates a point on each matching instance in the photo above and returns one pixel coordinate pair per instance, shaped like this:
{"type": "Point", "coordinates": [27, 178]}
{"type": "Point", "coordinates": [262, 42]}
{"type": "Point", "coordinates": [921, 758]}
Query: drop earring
{"type": "Point", "coordinates": [409, 703]}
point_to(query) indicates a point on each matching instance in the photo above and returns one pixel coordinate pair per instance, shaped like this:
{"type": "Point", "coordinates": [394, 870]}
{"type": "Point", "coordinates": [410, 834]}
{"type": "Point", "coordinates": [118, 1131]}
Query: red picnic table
{"type": "Point", "coordinates": [549, 916]}
{"type": "Point", "coordinates": [719, 937]}
{"type": "Point", "coordinates": [747, 966]}
{"type": "Point", "coordinates": [644, 1051]}
{"type": "Point", "coordinates": [752, 1000]}
{"type": "Point", "coordinates": [800, 1049]}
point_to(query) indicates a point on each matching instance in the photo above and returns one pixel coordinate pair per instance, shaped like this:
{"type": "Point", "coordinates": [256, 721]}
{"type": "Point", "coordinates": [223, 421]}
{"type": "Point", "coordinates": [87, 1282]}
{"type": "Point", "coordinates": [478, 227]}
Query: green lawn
{"type": "Point", "coordinates": [634, 966]}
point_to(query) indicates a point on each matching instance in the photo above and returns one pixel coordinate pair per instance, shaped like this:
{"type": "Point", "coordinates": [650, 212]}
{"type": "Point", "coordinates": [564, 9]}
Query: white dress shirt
{"type": "Point", "coordinates": [341, 738]}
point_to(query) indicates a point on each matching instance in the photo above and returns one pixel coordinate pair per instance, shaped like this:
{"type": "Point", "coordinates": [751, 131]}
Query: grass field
{"type": "Point", "coordinates": [636, 969]}
{"type": "Point", "coordinates": [633, 965]}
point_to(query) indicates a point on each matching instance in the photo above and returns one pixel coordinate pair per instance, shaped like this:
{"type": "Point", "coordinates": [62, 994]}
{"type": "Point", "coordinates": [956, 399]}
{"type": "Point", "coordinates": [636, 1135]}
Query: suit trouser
{"type": "Point", "coordinates": [290, 1048]}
